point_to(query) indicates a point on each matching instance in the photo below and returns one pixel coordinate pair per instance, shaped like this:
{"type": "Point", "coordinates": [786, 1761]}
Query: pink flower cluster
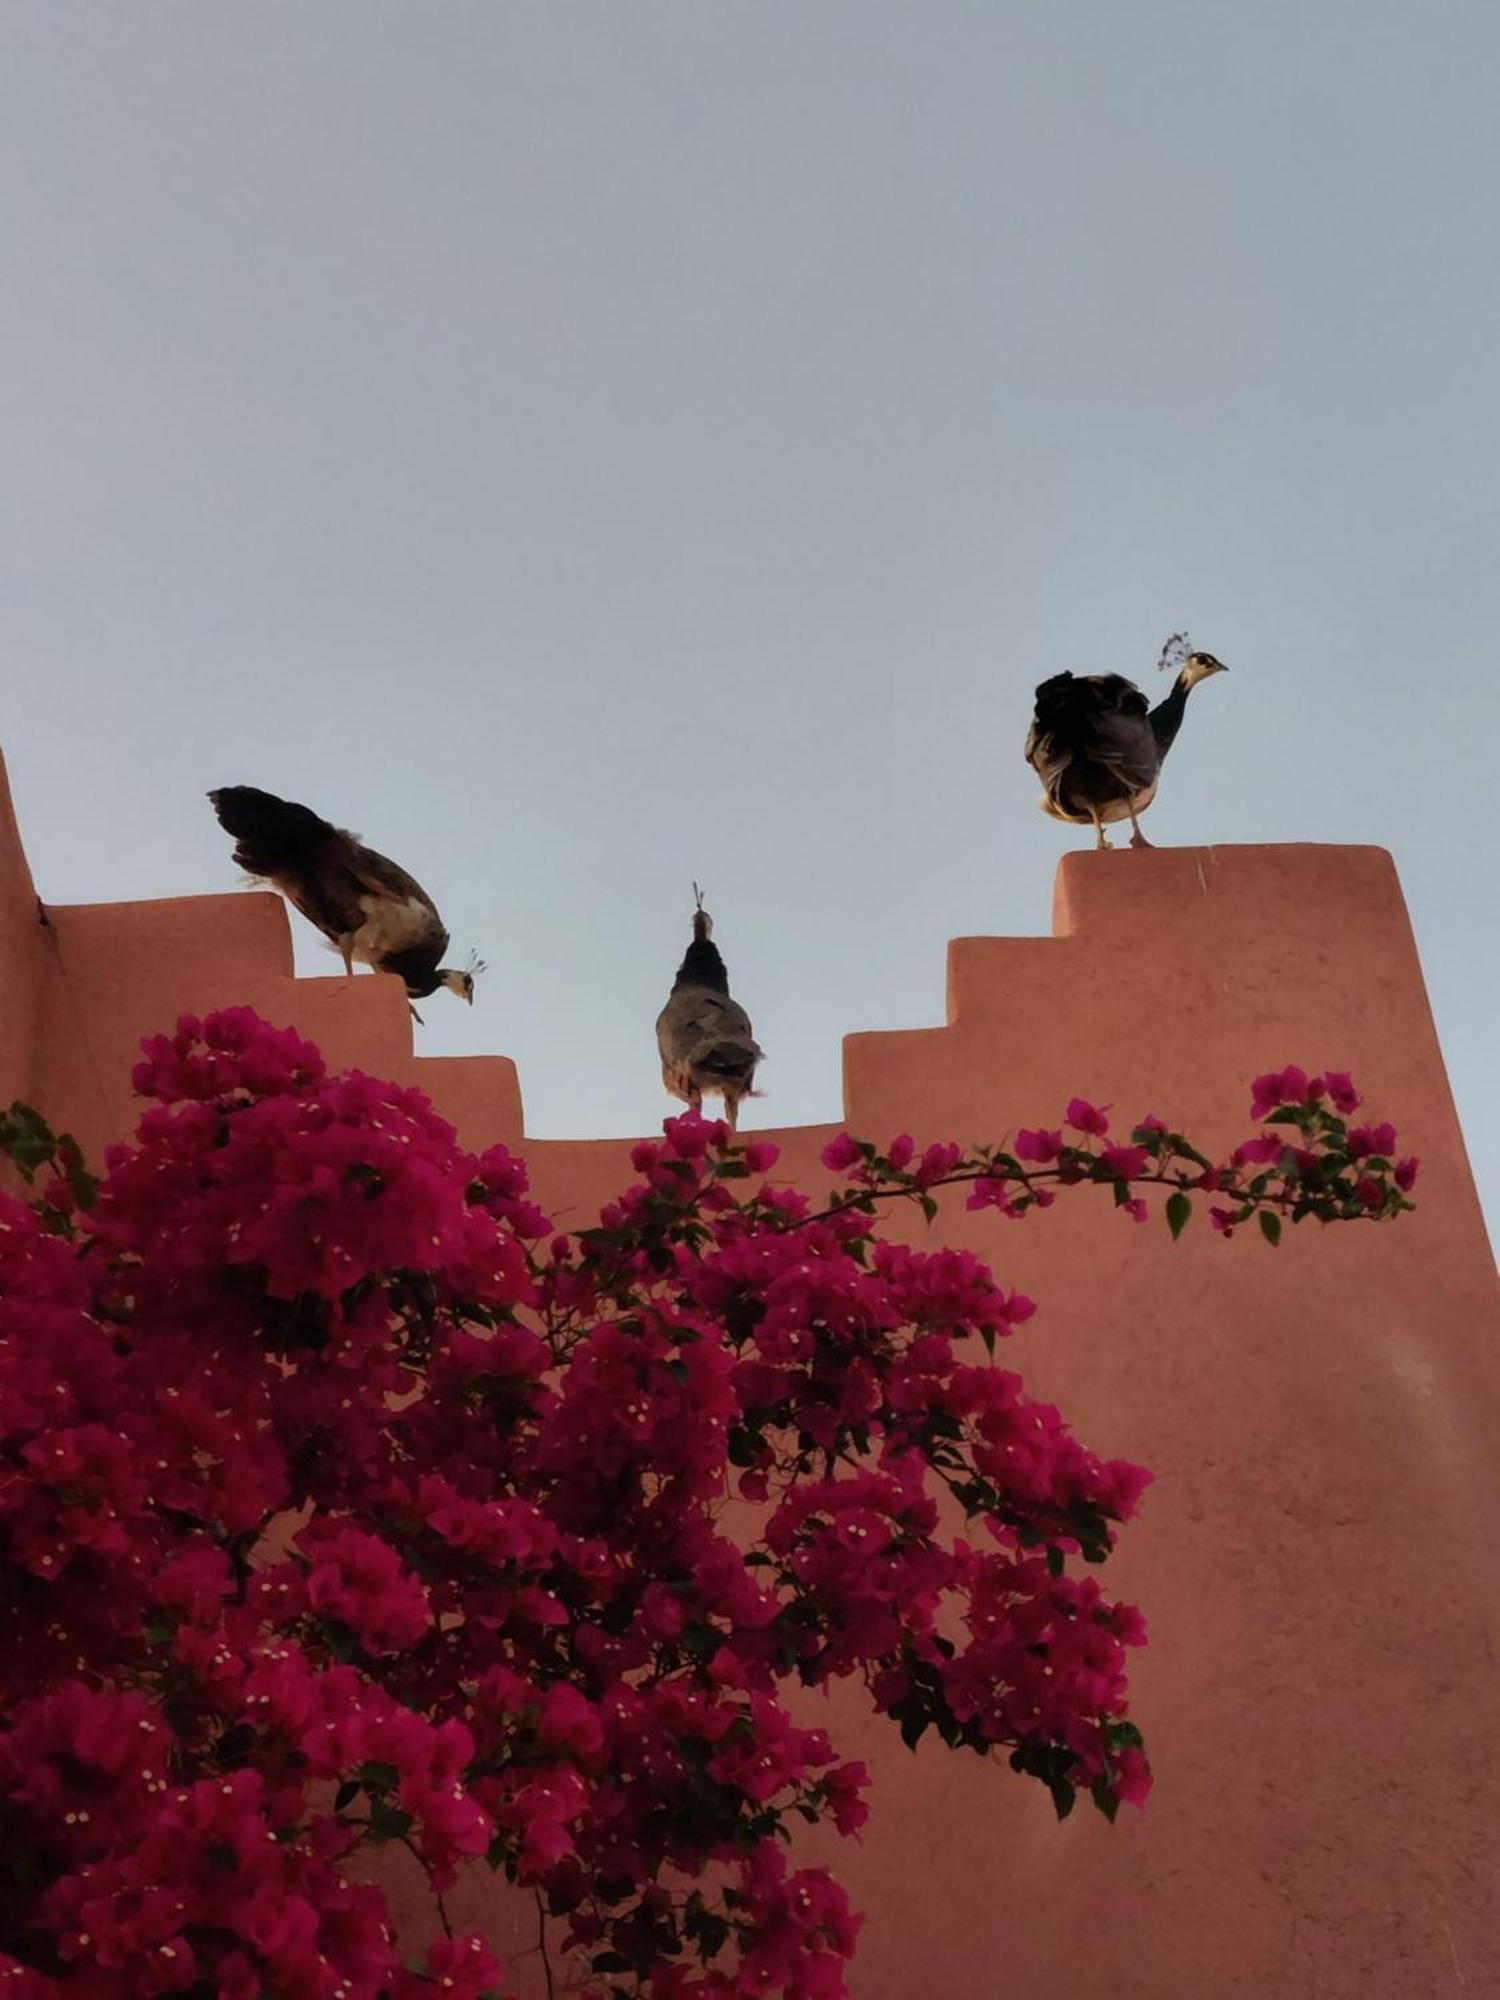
{"type": "Point", "coordinates": [344, 1505]}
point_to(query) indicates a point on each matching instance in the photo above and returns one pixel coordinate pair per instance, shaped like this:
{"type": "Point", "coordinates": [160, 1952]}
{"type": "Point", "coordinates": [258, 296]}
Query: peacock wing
{"type": "Point", "coordinates": [695, 1020]}
{"type": "Point", "coordinates": [1122, 741]}
{"type": "Point", "coordinates": [322, 886]}
{"type": "Point", "coordinates": [728, 1022]}
{"type": "Point", "coordinates": [388, 902]}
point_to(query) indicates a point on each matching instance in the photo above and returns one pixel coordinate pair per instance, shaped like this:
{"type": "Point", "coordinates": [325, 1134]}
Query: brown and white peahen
{"type": "Point", "coordinates": [366, 906]}
{"type": "Point", "coordinates": [705, 1040]}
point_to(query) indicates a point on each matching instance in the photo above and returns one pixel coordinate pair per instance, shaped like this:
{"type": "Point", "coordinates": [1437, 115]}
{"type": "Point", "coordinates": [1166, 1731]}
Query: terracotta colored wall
{"type": "Point", "coordinates": [1319, 1560]}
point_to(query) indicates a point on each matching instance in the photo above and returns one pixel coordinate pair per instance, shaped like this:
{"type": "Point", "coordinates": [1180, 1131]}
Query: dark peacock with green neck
{"type": "Point", "coordinates": [1098, 746]}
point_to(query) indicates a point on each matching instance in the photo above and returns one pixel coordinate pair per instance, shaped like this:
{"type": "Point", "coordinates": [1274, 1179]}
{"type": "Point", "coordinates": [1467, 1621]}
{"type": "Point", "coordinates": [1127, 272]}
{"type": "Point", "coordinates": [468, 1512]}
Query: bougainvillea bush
{"type": "Point", "coordinates": [345, 1505]}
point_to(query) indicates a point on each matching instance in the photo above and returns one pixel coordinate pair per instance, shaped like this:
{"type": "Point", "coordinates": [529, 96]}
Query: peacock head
{"type": "Point", "coordinates": [1198, 666]}
{"type": "Point", "coordinates": [1191, 667]}
{"type": "Point", "coordinates": [460, 979]}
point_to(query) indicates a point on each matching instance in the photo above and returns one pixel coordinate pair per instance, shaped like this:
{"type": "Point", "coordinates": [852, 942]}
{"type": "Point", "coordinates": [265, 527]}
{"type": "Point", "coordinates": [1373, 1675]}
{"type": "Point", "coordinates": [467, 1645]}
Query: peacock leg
{"type": "Point", "coordinates": [346, 953]}
{"type": "Point", "coordinates": [1098, 827]}
{"type": "Point", "coordinates": [1137, 838]}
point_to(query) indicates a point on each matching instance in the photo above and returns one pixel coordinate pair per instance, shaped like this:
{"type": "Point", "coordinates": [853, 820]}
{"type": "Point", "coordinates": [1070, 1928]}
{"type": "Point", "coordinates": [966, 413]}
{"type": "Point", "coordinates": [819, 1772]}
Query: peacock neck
{"type": "Point", "coordinates": [702, 966]}
{"type": "Point", "coordinates": [1166, 717]}
{"type": "Point", "coordinates": [417, 966]}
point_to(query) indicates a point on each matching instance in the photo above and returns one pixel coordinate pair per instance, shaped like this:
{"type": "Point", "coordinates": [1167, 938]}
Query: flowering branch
{"type": "Point", "coordinates": [1321, 1168]}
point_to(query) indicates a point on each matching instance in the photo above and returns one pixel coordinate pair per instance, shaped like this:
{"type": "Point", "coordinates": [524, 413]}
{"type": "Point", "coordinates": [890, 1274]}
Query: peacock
{"type": "Point", "coordinates": [366, 906]}
{"type": "Point", "coordinates": [1098, 746]}
{"type": "Point", "coordinates": [704, 1037]}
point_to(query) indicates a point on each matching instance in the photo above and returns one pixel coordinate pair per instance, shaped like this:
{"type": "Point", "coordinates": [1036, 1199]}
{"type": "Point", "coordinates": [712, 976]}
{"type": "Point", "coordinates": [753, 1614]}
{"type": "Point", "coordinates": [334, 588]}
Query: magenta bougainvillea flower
{"type": "Point", "coordinates": [347, 1505]}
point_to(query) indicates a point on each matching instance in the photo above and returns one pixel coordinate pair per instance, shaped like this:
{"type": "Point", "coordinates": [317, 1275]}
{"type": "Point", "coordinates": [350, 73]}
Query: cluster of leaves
{"type": "Point", "coordinates": [32, 1147]}
{"type": "Point", "coordinates": [346, 1505]}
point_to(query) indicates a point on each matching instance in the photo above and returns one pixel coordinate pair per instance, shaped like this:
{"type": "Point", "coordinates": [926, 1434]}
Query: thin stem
{"type": "Point", "coordinates": [437, 1894]}
{"type": "Point", "coordinates": [541, 1942]}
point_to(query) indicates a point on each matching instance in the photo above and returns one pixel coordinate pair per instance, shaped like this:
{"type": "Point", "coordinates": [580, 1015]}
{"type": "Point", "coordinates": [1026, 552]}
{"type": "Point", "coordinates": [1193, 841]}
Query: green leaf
{"type": "Point", "coordinates": [388, 1822]}
{"type": "Point", "coordinates": [713, 1935]}
{"type": "Point", "coordinates": [913, 1726]}
{"type": "Point", "coordinates": [26, 1136]}
{"type": "Point", "coordinates": [1179, 1209]}
{"type": "Point", "coordinates": [346, 1794]}
{"type": "Point", "coordinates": [1270, 1227]}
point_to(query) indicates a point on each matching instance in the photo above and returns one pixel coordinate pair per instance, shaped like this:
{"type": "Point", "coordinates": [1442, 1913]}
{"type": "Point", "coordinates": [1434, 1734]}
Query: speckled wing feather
{"type": "Point", "coordinates": [414, 919]}
{"type": "Point", "coordinates": [700, 1030]}
{"type": "Point", "coordinates": [1122, 741]}
{"type": "Point", "coordinates": [348, 890]}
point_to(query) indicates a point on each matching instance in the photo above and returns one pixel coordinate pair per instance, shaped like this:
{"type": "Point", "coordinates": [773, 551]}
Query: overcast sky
{"type": "Point", "coordinates": [585, 447]}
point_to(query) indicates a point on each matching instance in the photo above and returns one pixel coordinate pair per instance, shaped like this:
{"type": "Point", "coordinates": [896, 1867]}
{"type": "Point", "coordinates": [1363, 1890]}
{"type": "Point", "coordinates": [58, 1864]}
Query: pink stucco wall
{"type": "Point", "coordinates": [1319, 1560]}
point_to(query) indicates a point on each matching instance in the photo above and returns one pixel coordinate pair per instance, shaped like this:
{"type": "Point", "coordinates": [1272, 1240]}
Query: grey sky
{"type": "Point", "coordinates": [588, 447]}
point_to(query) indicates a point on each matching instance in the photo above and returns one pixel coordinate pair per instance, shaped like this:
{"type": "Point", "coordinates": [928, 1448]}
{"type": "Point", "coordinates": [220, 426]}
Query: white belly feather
{"type": "Point", "coordinates": [390, 926]}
